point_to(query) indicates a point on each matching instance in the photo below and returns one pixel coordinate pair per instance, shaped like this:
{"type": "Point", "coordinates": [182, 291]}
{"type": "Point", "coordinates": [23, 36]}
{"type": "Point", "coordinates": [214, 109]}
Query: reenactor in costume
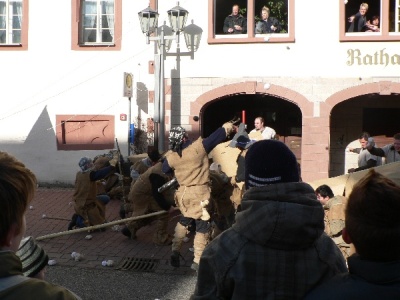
{"type": "Point", "coordinates": [334, 208]}
{"type": "Point", "coordinates": [115, 184]}
{"type": "Point", "coordinates": [105, 184]}
{"type": "Point", "coordinates": [190, 163]}
{"type": "Point", "coordinates": [137, 169]}
{"type": "Point", "coordinates": [145, 198]}
{"type": "Point", "coordinates": [89, 206]}
{"type": "Point", "coordinates": [222, 208]}
{"type": "Point", "coordinates": [242, 142]}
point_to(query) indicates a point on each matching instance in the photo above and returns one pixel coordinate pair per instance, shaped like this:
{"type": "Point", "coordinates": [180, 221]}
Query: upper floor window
{"type": "Point", "coordinates": [251, 21]}
{"type": "Point", "coordinates": [96, 23]}
{"type": "Point", "coordinates": [370, 21]}
{"type": "Point", "coordinates": [10, 21]}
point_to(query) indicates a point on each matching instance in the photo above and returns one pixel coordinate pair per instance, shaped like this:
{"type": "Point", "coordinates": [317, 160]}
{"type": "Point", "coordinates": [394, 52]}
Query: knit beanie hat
{"type": "Point", "coordinates": [33, 257]}
{"type": "Point", "coordinates": [269, 162]}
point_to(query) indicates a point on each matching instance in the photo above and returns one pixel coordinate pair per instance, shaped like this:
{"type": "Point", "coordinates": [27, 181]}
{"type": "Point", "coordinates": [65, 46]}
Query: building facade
{"type": "Point", "coordinates": [317, 85]}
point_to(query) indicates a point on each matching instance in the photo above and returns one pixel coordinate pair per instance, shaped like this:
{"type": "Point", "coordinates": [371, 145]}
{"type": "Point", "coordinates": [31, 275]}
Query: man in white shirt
{"type": "Point", "coordinates": [266, 132]}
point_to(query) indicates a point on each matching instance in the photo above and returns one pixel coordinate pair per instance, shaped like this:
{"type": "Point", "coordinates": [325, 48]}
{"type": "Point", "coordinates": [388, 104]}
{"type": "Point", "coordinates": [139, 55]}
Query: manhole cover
{"type": "Point", "coordinates": [138, 264]}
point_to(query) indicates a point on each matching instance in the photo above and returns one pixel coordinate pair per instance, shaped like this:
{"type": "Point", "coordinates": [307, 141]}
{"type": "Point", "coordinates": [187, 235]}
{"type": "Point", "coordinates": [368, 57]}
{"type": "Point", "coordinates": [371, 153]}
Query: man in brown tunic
{"type": "Point", "coordinates": [90, 207]}
{"type": "Point", "coordinates": [190, 163]}
{"type": "Point", "coordinates": [145, 198]}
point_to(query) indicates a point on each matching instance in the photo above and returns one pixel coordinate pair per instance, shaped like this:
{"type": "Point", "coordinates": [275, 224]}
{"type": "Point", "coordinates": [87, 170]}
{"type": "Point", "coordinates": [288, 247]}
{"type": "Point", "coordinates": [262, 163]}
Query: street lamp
{"type": "Point", "coordinates": [177, 17]}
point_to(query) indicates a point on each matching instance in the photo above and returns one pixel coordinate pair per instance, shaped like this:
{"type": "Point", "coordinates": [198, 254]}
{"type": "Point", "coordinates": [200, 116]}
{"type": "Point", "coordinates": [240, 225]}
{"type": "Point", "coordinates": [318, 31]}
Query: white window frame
{"type": "Point", "coordinates": [9, 22]}
{"type": "Point", "coordinates": [99, 26]}
{"type": "Point", "coordinates": [383, 35]}
{"type": "Point", "coordinates": [250, 36]}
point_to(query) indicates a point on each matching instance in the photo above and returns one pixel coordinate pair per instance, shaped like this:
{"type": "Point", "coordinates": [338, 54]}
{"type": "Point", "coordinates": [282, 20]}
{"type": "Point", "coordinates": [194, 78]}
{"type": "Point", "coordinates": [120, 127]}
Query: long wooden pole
{"type": "Point", "coordinates": [68, 232]}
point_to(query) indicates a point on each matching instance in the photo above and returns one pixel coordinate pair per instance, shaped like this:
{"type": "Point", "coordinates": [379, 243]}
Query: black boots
{"type": "Point", "coordinates": [72, 224]}
{"type": "Point", "coordinates": [175, 259]}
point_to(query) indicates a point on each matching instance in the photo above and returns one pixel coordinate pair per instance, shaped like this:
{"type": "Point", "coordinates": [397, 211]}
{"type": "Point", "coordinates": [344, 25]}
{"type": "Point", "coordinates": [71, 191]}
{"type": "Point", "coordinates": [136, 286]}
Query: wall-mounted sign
{"type": "Point", "coordinates": [128, 84]}
{"type": "Point", "coordinates": [381, 57]}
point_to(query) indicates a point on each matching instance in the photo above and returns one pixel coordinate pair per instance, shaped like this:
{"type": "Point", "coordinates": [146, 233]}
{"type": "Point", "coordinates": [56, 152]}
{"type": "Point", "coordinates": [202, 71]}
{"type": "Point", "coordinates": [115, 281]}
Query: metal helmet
{"type": "Point", "coordinates": [85, 163]}
{"type": "Point", "coordinates": [176, 135]}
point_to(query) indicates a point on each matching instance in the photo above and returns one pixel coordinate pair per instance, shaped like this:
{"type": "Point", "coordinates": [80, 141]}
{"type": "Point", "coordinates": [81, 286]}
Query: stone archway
{"type": "Point", "coordinates": [248, 87]}
{"type": "Point", "coordinates": [314, 157]}
{"type": "Point", "coordinates": [349, 113]}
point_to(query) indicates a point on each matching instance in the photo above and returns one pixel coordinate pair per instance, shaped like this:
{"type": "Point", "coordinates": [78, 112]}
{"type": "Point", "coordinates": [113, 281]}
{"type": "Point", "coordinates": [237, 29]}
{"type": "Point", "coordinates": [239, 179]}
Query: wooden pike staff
{"type": "Point", "coordinates": [121, 176]}
{"type": "Point", "coordinates": [68, 232]}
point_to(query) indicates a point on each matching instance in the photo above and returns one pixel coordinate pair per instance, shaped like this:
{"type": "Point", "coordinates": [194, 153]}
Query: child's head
{"type": "Point", "coordinates": [17, 188]}
{"type": "Point", "coordinates": [375, 20]}
{"type": "Point", "coordinates": [372, 218]}
{"type": "Point", "coordinates": [33, 258]}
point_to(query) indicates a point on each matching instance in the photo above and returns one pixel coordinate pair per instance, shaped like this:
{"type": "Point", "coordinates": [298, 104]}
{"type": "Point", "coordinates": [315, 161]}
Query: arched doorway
{"type": "Point", "coordinates": [374, 113]}
{"type": "Point", "coordinates": [282, 115]}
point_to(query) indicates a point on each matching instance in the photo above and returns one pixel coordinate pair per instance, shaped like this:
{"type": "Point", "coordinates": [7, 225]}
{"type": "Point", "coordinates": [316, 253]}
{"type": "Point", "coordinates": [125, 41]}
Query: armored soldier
{"type": "Point", "coordinates": [89, 206]}
{"type": "Point", "coordinates": [222, 208]}
{"type": "Point", "coordinates": [190, 163]}
{"type": "Point", "coordinates": [138, 168]}
{"type": "Point", "coordinates": [145, 198]}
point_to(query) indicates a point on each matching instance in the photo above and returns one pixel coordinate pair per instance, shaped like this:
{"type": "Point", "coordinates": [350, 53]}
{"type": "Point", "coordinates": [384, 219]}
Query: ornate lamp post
{"type": "Point", "coordinates": [177, 17]}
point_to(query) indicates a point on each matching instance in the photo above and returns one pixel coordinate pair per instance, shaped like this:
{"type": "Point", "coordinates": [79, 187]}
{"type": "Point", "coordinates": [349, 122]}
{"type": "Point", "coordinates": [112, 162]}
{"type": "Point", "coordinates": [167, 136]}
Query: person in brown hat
{"type": "Point", "coordinates": [17, 189]}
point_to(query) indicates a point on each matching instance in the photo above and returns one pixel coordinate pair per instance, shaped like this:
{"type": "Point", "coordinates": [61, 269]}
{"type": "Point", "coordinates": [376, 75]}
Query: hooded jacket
{"type": "Point", "coordinates": [277, 249]}
{"type": "Point", "coordinates": [367, 280]}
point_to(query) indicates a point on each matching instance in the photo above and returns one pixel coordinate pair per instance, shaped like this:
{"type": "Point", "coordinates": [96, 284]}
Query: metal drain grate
{"type": "Point", "coordinates": [138, 264]}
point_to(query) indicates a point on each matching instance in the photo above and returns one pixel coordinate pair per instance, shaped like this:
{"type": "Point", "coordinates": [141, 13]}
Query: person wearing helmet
{"type": "Point", "coordinates": [90, 207]}
{"type": "Point", "coordinates": [190, 164]}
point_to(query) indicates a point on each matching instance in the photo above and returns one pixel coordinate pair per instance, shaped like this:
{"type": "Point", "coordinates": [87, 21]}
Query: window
{"type": "Point", "coordinates": [85, 132]}
{"type": "Point", "coordinates": [96, 23]}
{"type": "Point", "coordinates": [13, 24]}
{"type": "Point", "coordinates": [280, 10]}
{"type": "Point", "coordinates": [385, 14]}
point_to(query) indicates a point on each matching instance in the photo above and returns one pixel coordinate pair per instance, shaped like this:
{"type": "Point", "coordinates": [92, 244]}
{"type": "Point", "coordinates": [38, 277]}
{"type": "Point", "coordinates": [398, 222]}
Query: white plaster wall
{"type": "Point", "coordinates": [50, 79]}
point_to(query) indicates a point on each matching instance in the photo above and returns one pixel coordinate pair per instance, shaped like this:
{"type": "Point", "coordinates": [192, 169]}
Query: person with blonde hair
{"type": "Point", "coordinates": [267, 24]}
{"type": "Point", "coordinates": [359, 20]}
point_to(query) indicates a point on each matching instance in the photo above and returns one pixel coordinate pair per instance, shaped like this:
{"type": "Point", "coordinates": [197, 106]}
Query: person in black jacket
{"type": "Point", "coordinates": [267, 24]}
{"type": "Point", "coordinates": [235, 23]}
{"type": "Point", "coordinates": [359, 20]}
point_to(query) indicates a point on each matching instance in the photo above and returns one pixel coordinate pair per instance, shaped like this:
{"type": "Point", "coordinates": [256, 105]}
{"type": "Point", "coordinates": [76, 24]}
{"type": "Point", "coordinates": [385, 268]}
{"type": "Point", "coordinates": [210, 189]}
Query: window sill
{"type": "Point", "coordinates": [244, 39]}
{"type": "Point", "coordinates": [370, 37]}
{"type": "Point", "coordinates": [97, 45]}
{"type": "Point", "coordinates": [10, 45]}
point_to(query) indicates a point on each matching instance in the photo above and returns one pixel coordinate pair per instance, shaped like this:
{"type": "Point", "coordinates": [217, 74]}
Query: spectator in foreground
{"type": "Point", "coordinates": [33, 258]}
{"type": "Point", "coordinates": [277, 247]}
{"type": "Point", "coordinates": [373, 226]}
{"type": "Point", "coordinates": [17, 189]}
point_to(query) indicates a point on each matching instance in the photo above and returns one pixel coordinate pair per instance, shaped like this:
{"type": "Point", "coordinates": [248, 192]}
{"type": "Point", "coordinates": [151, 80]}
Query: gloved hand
{"type": "Point", "coordinates": [114, 160]}
{"type": "Point", "coordinates": [230, 126]}
{"type": "Point", "coordinates": [370, 143]}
